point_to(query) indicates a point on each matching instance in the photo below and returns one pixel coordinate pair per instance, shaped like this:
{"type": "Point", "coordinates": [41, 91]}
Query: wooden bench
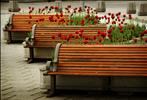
{"type": "Point", "coordinates": [42, 36]}
{"type": "Point", "coordinates": [23, 23]}
{"type": "Point", "coordinates": [97, 60]}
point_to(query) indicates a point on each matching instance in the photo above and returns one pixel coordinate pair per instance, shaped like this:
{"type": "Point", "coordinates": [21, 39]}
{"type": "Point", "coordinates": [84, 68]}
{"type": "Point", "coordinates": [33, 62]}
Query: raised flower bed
{"type": "Point", "coordinates": [122, 29]}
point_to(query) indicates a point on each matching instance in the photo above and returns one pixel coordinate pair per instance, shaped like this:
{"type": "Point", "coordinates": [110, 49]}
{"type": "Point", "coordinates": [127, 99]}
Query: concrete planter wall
{"type": "Point", "coordinates": [38, 53]}
{"type": "Point", "coordinates": [17, 36]}
{"type": "Point", "coordinates": [128, 84]}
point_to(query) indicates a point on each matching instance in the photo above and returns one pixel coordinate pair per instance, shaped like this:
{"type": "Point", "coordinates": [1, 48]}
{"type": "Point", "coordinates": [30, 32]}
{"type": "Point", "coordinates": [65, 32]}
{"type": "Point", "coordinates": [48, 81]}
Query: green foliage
{"type": "Point", "coordinates": [29, 34]}
{"type": "Point", "coordinates": [130, 31]}
{"type": "Point", "coordinates": [78, 18]}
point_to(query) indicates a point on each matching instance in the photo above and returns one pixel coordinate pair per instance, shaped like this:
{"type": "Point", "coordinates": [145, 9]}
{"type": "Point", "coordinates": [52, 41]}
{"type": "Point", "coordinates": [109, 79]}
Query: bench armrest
{"type": "Point", "coordinates": [27, 42]}
{"type": "Point", "coordinates": [8, 25]}
{"type": "Point", "coordinates": [51, 66]}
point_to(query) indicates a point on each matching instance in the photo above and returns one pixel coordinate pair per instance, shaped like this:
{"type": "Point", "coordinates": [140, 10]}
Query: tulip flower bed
{"type": "Point", "coordinates": [120, 29]}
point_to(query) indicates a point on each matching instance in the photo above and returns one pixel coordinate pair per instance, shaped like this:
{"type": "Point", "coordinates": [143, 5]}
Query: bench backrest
{"type": "Point", "coordinates": [47, 36]}
{"type": "Point", "coordinates": [101, 60]}
{"type": "Point", "coordinates": [25, 22]}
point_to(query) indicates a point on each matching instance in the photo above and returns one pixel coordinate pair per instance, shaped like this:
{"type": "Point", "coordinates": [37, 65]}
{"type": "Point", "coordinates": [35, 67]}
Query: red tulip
{"type": "Point", "coordinates": [32, 8]}
{"type": "Point", "coordinates": [46, 7]}
{"type": "Point", "coordinates": [76, 36]}
{"type": "Point", "coordinates": [124, 15]}
{"type": "Point", "coordinates": [74, 11]}
{"type": "Point", "coordinates": [85, 41]}
{"type": "Point", "coordinates": [120, 27]}
{"type": "Point", "coordinates": [55, 20]}
{"type": "Point", "coordinates": [80, 34]}
{"type": "Point", "coordinates": [69, 6]}
{"type": "Point", "coordinates": [80, 9]}
{"type": "Point", "coordinates": [130, 16]}
{"type": "Point", "coordinates": [53, 37]}
{"type": "Point", "coordinates": [99, 31]}
{"type": "Point", "coordinates": [94, 37]}
{"type": "Point", "coordinates": [30, 16]}
{"type": "Point", "coordinates": [30, 11]}
{"type": "Point", "coordinates": [95, 21]}
{"type": "Point", "coordinates": [56, 7]}
{"type": "Point", "coordinates": [61, 14]}
{"type": "Point", "coordinates": [145, 31]}
{"type": "Point", "coordinates": [87, 16]}
{"type": "Point", "coordinates": [103, 34]}
{"type": "Point", "coordinates": [71, 21]}
{"type": "Point", "coordinates": [29, 7]}
{"type": "Point", "coordinates": [86, 37]}
{"type": "Point", "coordinates": [109, 14]}
{"type": "Point", "coordinates": [112, 16]}
{"type": "Point", "coordinates": [121, 31]}
{"type": "Point", "coordinates": [57, 16]}
{"type": "Point", "coordinates": [59, 34]}
{"type": "Point", "coordinates": [51, 18]}
{"type": "Point", "coordinates": [113, 22]}
{"type": "Point", "coordinates": [81, 30]}
{"type": "Point", "coordinates": [100, 40]}
{"type": "Point", "coordinates": [109, 31]}
{"type": "Point", "coordinates": [70, 35]}
{"type": "Point", "coordinates": [52, 7]}
{"type": "Point", "coordinates": [64, 37]}
{"type": "Point", "coordinates": [119, 20]}
{"type": "Point", "coordinates": [75, 8]}
{"type": "Point", "coordinates": [96, 17]}
{"type": "Point", "coordinates": [62, 20]}
{"type": "Point", "coordinates": [43, 9]}
{"type": "Point", "coordinates": [109, 35]}
{"type": "Point", "coordinates": [76, 32]}
{"type": "Point", "coordinates": [66, 8]}
{"type": "Point", "coordinates": [37, 21]}
{"type": "Point", "coordinates": [123, 20]}
{"type": "Point", "coordinates": [145, 39]}
{"type": "Point", "coordinates": [82, 22]}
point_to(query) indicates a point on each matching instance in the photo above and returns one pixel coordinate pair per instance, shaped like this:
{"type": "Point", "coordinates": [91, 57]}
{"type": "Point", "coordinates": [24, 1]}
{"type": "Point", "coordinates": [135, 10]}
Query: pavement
{"type": "Point", "coordinates": [21, 81]}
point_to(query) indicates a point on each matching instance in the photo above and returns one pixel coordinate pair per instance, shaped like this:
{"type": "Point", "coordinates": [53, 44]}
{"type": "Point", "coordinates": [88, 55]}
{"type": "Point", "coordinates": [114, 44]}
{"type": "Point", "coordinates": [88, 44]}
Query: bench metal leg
{"type": "Point", "coordinates": [9, 37]}
{"type": "Point", "coordinates": [31, 55]}
{"type": "Point", "coordinates": [53, 85]}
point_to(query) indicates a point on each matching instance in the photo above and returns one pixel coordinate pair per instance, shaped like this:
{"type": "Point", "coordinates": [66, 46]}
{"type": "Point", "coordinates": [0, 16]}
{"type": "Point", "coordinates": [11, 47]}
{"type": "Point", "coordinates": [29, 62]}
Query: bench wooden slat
{"type": "Point", "coordinates": [100, 73]}
{"type": "Point", "coordinates": [45, 33]}
{"type": "Point", "coordinates": [99, 60]}
{"type": "Point", "coordinates": [21, 21]}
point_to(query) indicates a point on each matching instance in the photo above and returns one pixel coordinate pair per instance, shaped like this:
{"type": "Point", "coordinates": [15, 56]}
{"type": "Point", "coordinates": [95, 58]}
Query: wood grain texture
{"type": "Point", "coordinates": [102, 60]}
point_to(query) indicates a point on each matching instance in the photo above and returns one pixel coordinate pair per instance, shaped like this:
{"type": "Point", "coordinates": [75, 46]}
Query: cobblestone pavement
{"type": "Point", "coordinates": [20, 81]}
